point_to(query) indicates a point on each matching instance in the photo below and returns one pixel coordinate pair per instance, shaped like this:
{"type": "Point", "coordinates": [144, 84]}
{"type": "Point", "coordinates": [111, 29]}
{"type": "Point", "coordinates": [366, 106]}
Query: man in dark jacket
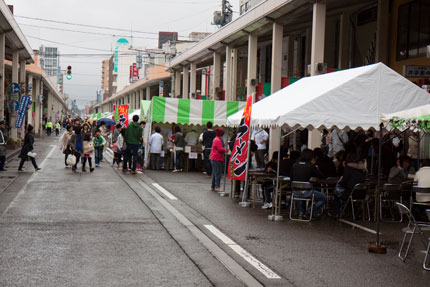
{"type": "Point", "coordinates": [133, 135]}
{"type": "Point", "coordinates": [303, 170]}
{"type": "Point", "coordinates": [208, 138]}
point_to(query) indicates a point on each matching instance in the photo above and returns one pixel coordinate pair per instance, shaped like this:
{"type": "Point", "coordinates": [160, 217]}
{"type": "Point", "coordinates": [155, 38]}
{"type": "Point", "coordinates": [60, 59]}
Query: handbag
{"type": "Point", "coordinates": [88, 146]}
{"type": "Point", "coordinates": [71, 160]}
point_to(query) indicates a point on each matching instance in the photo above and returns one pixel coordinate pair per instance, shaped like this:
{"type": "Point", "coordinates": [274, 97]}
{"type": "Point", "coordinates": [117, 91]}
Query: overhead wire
{"type": "Point", "coordinates": [90, 26]}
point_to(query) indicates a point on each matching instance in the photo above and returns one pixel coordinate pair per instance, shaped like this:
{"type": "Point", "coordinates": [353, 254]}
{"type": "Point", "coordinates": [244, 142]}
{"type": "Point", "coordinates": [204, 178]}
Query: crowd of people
{"type": "Point", "coordinates": [82, 142]}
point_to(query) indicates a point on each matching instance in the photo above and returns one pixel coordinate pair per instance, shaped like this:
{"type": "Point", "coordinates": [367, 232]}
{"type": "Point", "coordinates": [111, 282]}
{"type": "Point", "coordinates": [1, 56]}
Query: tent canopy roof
{"type": "Point", "coordinates": [192, 111]}
{"type": "Point", "coordinates": [354, 98]}
{"type": "Point", "coordinates": [422, 112]}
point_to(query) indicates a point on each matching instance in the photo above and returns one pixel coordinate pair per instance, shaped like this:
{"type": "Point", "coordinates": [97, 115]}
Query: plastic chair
{"type": "Point", "coordinates": [360, 193]}
{"type": "Point", "coordinates": [412, 229]}
{"type": "Point", "coordinates": [298, 189]}
{"type": "Point", "coordinates": [392, 194]}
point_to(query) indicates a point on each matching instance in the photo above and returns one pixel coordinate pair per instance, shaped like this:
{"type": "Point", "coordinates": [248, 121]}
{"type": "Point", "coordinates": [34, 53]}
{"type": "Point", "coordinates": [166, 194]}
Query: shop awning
{"type": "Point", "coordinates": [354, 98]}
{"type": "Point", "coordinates": [416, 118]}
{"type": "Point", "coordinates": [192, 111]}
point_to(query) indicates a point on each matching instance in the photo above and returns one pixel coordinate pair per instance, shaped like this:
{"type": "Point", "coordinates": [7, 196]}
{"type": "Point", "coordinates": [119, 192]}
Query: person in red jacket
{"type": "Point", "coordinates": [217, 158]}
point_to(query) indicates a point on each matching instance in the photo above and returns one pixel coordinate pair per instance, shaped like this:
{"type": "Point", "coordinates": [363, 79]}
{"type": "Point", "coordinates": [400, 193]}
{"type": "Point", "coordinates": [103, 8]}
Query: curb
{"type": "Point", "coordinates": [12, 154]}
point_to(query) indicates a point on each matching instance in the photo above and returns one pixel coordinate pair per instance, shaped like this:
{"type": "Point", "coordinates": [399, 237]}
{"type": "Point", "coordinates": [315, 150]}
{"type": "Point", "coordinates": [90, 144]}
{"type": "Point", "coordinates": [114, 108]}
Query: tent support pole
{"type": "Point", "coordinates": [378, 248]}
{"type": "Point", "coordinates": [276, 216]}
{"type": "Point", "coordinates": [223, 193]}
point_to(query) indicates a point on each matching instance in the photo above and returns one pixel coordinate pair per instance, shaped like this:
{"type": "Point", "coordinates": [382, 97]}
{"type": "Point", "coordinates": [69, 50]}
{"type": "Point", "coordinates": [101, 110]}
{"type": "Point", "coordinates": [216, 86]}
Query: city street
{"type": "Point", "coordinates": [162, 229]}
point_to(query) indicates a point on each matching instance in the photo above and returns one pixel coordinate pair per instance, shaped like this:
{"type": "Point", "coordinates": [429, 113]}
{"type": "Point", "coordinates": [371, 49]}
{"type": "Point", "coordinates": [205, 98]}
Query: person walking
{"type": "Point", "coordinates": [27, 150]}
{"type": "Point", "coordinates": [156, 142]}
{"type": "Point", "coordinates": [99, 143]}
{"type": "Point", "coordinates": [87, 147]}
{"type": "Point", "coordinates": [179, 142]}
{"type": "Point", "coordinates": [65, 143]}
{"type": "Point", "coordinates": [49, 127]}
{"type": "Point", "coordinates": [217, 158]}
{"type": "Point", "coordinates": [133, 135]}
{"type": "Point", "coordinates": [3, 149]}
{"type": "Point", "coordinates": [208, 137]}
{"type": "Point", "coordinates": [75, 144]}
{"type": "Point", "coordinates": [57, 128]}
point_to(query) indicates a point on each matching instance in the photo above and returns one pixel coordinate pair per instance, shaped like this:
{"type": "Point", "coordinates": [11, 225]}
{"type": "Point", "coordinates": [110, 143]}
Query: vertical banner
{"type": "Point", "coordinates": [161, 89]}
{"type": "Point", "coordinates": [115, 114]}
{"type": "Point", "coordinates": [25, 101]}
{"type": "Point", "coordinates": [123, 115]}
{"type": "Point", "coordinates": [239, 154]}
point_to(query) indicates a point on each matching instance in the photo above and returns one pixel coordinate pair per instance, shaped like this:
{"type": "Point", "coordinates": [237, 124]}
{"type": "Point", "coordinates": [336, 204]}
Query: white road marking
{"type": "Point", "coordinates": [266, 271]}
{"type": "Point", "coordinates": [31, 179]}
{"type": "Point", "coordinates": [164, 191]}
{"type": "Point", "coordinates": [358, 226]}
{"type": "Point", "coordinates": [234, 267]}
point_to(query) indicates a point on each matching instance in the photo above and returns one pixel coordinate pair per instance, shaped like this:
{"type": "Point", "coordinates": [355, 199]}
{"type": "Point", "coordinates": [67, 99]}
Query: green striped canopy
{"type": "Point", "coordinates": [192, 111]}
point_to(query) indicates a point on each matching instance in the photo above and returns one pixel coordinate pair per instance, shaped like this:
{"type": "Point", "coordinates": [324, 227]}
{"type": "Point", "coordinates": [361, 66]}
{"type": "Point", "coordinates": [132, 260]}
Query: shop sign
{"type": "Point", "coordinates": [416, 71]}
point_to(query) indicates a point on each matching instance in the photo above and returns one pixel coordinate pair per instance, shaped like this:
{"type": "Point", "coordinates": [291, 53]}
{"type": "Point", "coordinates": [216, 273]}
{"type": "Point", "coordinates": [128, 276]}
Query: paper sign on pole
{"type": "Point", "coordinates": [239, 155]}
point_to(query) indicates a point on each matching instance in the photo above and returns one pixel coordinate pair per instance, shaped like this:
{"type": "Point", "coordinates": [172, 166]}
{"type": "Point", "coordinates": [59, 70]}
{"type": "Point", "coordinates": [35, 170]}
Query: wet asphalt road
{"type": "Point", "coordinates": [62, 229]}
{"type": "Point", "coordinates": [112, 229]}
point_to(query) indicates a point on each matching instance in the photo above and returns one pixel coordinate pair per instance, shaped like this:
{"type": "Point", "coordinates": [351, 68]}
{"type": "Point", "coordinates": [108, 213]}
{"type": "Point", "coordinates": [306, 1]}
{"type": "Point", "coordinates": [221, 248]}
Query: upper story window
{"type": "Point", "coordinates": [413, 32]}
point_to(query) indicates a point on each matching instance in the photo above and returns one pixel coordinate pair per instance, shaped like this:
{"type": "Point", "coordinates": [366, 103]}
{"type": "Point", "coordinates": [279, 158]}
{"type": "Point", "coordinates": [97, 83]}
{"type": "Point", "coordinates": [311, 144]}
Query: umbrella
{"type": "Point", "coordinates": [108, 121]}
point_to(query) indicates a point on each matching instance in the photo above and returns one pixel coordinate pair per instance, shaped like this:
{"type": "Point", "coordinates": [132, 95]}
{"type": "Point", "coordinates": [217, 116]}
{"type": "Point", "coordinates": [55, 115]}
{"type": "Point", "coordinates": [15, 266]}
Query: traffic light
{"type": "Point", "coordinates": [69, 72]}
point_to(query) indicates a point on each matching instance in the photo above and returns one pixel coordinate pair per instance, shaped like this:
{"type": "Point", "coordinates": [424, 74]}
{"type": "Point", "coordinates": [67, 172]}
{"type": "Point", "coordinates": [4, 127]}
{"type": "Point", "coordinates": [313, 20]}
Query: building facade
{"type": "Point", "coordinates": [105, 79]}
{"type": "Point", "coordinates": [246, 5]}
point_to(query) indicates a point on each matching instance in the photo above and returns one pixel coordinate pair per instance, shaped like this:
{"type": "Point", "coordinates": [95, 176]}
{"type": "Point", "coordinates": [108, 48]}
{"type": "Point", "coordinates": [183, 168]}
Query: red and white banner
{"type": "Point", "coordinates": [121, 115]}
{"type": "Point", "coordinates": [239, 154]}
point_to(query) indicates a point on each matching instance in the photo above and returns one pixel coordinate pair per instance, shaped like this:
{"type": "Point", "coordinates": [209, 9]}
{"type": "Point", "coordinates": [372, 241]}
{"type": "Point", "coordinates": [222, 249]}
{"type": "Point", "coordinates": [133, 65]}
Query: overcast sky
{"type": "Point", "coordinates": [132, 15]}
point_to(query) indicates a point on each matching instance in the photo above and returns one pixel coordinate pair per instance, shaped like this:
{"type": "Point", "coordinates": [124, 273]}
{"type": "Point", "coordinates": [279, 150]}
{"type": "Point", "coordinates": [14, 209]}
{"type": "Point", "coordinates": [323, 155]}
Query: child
{"type": "Point", "coordinates": [99, 143]}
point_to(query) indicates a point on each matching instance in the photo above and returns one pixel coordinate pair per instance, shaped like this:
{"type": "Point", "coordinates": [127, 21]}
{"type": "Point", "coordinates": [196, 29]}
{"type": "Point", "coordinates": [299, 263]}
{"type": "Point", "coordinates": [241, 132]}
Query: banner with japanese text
{"type": "Point", "coordinates": [123, 115]}
{"type": "Point", "coordinates": [239, 154]}
{"type": "Point", "coordinates": [23, 105]}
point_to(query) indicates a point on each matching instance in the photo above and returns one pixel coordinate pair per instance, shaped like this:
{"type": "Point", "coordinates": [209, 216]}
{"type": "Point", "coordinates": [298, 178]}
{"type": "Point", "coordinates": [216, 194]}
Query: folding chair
{"type": "Point", "coordinates": [425, 266]}
{"type": "Point", "coordinates": [392, 194]}
{"type": "Point", "coordinates": [360, 193]}
{"type": "Point", "coordinates": [298, 189]}
{"type": "Point", "coordinates": [412, 229]}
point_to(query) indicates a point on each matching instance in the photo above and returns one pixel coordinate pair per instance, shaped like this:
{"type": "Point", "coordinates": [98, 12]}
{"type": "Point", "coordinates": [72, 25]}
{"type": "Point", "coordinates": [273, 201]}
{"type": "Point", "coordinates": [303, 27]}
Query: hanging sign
{"type": "Point", "coordinates": [239, 154]}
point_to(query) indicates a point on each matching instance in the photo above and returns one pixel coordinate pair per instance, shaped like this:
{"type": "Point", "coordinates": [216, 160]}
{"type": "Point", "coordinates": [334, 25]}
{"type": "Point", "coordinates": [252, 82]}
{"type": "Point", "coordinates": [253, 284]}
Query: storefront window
{"type": "Point", "coordinates": [413, 34]}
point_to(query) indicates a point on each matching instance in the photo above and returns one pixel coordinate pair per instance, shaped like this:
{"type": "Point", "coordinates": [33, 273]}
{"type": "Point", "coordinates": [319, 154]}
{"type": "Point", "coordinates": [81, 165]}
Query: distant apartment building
{"type": "Point", "coordinates": [164, 37]}
{"type": "Point", "coordinates": [246, 5]}
{"type": "Point", "coordinates": [49, 60]}
{"type": "Point", "coordinates": [105, 79]}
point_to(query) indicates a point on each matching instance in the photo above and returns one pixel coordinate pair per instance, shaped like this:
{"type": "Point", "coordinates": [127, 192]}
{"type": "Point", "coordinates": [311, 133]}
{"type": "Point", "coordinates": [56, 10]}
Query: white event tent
{"type": "Point", "coordinates": [346, 99]}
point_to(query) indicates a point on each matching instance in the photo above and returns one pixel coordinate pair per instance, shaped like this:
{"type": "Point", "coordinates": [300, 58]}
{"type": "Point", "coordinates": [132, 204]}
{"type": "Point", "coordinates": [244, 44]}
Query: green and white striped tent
{"type": "Point", "coordinates": [192, 111]}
